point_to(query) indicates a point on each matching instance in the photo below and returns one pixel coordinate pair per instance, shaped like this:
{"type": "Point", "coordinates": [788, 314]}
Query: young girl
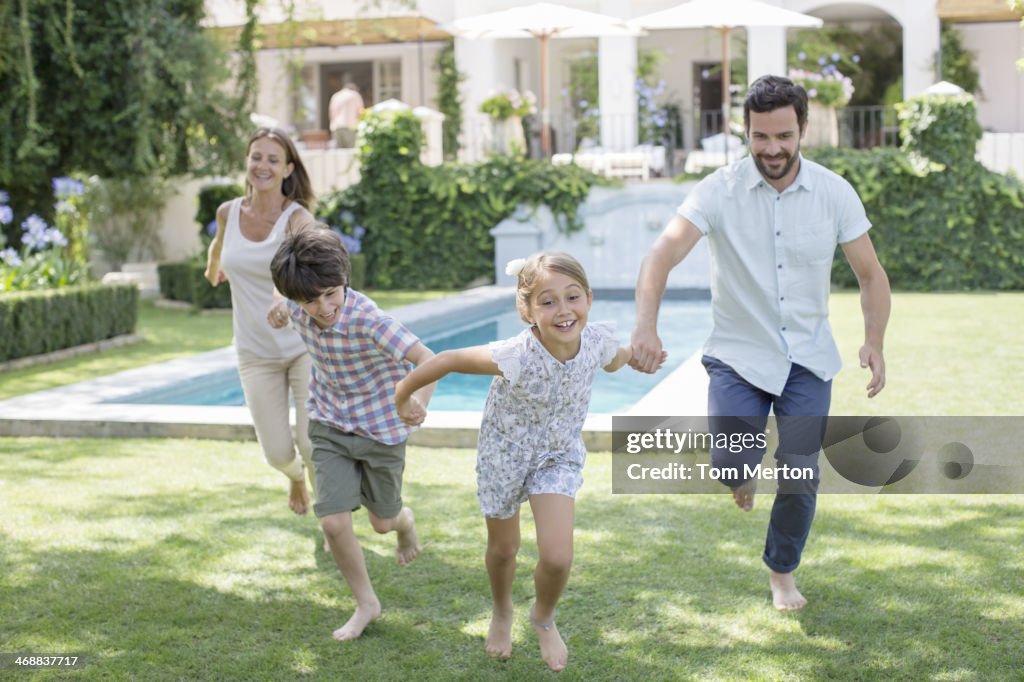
{"type": "Point", "coordinates": [531, 445]}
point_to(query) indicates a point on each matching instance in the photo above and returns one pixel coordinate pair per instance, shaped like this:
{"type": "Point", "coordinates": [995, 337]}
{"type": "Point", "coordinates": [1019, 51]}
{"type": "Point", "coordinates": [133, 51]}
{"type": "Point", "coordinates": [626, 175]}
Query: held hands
{"type": "Point", "coordinates": [871, 358]}
{"type": "Point", "coordinates": [277, 316]}
{"type": "Point", "coordinates": [648, 355]}
{"type": "Point", "coordinates": [411, 411]}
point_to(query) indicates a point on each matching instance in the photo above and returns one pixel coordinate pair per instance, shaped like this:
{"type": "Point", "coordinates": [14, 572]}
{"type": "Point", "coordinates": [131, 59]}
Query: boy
{"type": "Point", "coordinates": [359, 354]}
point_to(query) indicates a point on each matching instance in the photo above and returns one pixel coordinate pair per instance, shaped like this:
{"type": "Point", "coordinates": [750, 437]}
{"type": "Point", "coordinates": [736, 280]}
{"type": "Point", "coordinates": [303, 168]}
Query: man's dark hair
{"type": "Point", "coordinates": [769, 93]}
{"type": "Point", "coordinates": [310, 262]}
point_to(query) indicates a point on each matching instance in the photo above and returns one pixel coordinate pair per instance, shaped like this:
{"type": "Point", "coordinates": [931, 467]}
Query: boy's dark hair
{"type": "Point", "coordinates": [769, 93]}
{"type": "Point", "coordinates": [309, 262]}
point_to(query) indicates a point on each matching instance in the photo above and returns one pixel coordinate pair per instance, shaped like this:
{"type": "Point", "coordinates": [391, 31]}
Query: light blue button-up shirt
{"type": "Point", "coordinates": [771, 263]}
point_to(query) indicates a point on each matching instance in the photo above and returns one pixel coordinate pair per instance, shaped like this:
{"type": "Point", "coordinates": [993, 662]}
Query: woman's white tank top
{"type": "Point", "coordinates": [247, 265]}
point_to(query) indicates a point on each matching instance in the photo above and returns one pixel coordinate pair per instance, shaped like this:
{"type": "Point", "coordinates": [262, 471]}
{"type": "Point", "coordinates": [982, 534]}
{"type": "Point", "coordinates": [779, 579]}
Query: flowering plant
{"type": "Point", "coordinates": [827, 86]}
{"type": "Point", "coordinates": [503, 105]}
{"type": "Point", "coordinates": [43, 261]}
{"type": "Point", "coordinates": [351, 233]}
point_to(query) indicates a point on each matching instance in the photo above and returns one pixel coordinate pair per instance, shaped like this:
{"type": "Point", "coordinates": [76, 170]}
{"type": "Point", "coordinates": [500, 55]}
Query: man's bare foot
{"type": "Point", "coordinates": [408, 544]}
{"type": "Point", "coordinates": [362, 617]}
{"type": "Point", "coordinates": [743, 495]}
{"type": "Point", "coordinates": [552, 648]}
{"type": "Point", "coordinates": [499, 637]}
{"type": "Point", "coordinates": [298, 498]}
{"type": "Point", "coordinates": [785, 596]}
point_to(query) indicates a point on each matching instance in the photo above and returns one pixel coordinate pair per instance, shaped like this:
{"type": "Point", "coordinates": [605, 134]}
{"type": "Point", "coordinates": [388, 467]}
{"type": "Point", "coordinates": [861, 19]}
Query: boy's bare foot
{"type": "Point", "coordinates": [298, 498]}
{"type": "Point", "coordinates": [362, 617]}
{"type": "Point", "coordinates": [408, 544]}
{"type": "Point", "coordinates": [499, 637]}
{"type": "Point", "coordinates": [743, 495]}
{"type": "Point", "coordinates": [552, 648]}
{"type": "Point", "coordinates": [785, 596]}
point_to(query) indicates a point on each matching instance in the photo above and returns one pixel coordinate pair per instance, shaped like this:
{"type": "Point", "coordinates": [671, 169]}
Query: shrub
{"type": "Point", "coordinates": [954, 228]}
{"type": "Point", "coordinates": [36, 322]}
{"type": "Point", "coordinates": [209, 200]}
{"type": "Point", "coordinates": [430, 227]}
{"type": "Point", "coordinates": [184, 281]}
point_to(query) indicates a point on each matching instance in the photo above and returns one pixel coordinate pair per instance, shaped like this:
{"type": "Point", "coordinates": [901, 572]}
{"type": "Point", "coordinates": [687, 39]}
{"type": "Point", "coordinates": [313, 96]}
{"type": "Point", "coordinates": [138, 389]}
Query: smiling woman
{"type": "Point", "coordinates": [271, 362]}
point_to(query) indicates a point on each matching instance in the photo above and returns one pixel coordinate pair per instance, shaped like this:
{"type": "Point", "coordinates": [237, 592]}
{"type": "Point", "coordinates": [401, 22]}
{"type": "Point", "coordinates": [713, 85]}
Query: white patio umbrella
{"type": "Point", "coordinates": [542, 20]}
{"type": "Point", "coordinates": [724, 15]}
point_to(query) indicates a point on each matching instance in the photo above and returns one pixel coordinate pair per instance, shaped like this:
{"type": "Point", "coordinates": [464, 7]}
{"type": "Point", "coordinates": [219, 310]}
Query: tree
{"type": "Point", "coordinates": [118, 88]}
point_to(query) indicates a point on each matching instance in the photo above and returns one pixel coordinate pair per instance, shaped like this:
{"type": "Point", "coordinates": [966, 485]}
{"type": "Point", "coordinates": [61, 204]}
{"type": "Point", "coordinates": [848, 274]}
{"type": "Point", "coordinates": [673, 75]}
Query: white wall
{"type": "Point", "coordinates": [997, 47]}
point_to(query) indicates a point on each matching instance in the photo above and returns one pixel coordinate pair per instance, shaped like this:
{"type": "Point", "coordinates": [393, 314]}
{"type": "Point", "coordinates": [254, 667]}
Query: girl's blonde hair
{"type": "Point", "coordinates": [555, 261]}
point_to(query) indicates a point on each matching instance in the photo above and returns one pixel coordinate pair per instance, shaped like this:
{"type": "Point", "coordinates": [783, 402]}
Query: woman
{"type": "Point", "coordinates": [278, 198]}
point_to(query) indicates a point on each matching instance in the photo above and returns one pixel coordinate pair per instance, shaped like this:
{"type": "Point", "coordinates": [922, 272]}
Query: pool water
{"type": "Point", "coordinates": [682, 325]}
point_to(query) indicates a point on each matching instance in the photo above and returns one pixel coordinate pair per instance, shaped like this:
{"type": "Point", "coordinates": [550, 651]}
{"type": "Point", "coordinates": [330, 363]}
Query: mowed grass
{"type": "Point", "coordinates": [176, 559]}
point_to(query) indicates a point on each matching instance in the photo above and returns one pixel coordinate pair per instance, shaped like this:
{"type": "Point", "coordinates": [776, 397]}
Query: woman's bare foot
{"type": "Point", "coordinates": [743, 495]}
{"type": "Point", "coordinates": [552, 648]}
{"type": "Point", "coordinates": [499, 637]}
{"type": "Point", "coordinates": [408, 544]}
{"type": "Point", "coordinates": [298, 498]}
{"type": "Point", "coordinates": [785, 596]}
{"type": "Point", "coordinates": [362, 617]}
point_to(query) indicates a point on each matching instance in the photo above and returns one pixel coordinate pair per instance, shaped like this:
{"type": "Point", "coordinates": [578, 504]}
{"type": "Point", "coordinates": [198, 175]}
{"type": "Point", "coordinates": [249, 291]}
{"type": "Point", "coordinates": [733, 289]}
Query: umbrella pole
{"type": "Point", "coordinates": [726, 99]}
{"type": "Point", "coordinates": [545, 120]}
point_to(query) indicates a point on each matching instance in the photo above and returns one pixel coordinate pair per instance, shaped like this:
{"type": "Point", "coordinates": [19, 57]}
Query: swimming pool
{"type": "Point", "coordinates": [683, 326]}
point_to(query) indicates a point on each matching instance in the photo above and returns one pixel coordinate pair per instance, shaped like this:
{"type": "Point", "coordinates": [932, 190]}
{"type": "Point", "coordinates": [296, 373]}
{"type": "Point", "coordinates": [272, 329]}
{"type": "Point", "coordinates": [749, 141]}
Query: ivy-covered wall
{"type": "Point", "coordinates": [429, 227]}
{"type": "Point", "coordinates": [942, 221]}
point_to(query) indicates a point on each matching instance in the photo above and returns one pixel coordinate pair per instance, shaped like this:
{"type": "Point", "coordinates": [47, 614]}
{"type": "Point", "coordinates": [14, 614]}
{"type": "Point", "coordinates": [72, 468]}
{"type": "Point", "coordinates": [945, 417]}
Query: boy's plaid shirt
{"type": "Point", "coordinates": [356, 364]}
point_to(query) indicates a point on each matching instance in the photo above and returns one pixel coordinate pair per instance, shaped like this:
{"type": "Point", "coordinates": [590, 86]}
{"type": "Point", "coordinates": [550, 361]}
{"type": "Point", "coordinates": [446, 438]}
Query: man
{"type": "Point", "coordinates": [345, 107]}
{"type": "Point", "coordinates": [773, 220]}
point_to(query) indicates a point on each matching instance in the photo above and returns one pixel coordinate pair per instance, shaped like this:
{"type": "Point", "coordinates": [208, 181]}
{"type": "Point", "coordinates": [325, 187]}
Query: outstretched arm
{"type": "Point", "coordinates": [671, 247]}
{"type": "Point", "coordinates": [473, 360]}
{"type": "Point", "coordinates": [419, 355]}
{"type": "Point", "coordinates": [622, 356]}
{"type": "Point", "coordinates": [875, 303]}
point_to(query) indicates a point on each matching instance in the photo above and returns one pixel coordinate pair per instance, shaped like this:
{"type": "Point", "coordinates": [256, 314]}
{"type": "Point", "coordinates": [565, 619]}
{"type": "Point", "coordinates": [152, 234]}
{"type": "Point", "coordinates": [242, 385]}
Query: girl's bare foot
{"type": "Point", "coordinates": [298, 498]}
{"type": "Point", "coordinates": [552, 648]}
{"type": "Point", "coordinates": [499, 637]}
{"type": "Point", "coordinates": [362, 617]}
{"type": "Point", "coordinates": [785, 596]}
{"type": "Point", "coordinates": [743, 495]}
{"type": "Point", "coordinates": [408, 544]}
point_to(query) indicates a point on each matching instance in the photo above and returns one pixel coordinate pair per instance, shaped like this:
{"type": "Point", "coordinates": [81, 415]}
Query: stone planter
{"type": "Point", "coordinates": [822, 126]}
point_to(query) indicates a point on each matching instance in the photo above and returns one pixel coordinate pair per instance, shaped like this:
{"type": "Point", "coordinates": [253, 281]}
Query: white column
{"type": "Point", "coordinates": [478, 60]}
{"type": "Point", "coordinates": [766, 52]}
{"type": "Point", "coordinates": [920, 45]}
{"type": "Point", "coordinates": [616, 68]}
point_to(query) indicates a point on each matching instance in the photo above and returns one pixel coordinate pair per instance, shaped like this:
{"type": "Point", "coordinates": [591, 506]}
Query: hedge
{"type": "Point", "coordinates": [46, 320]}
{"type": "Point", "coordinates": [429, 227]}
{"type": "Point", "coordinates": [185, 282]}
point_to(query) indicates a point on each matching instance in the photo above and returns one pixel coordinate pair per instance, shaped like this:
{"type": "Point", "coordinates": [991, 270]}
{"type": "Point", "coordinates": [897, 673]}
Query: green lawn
{"type": "Point", "coordinates": [177, 559]}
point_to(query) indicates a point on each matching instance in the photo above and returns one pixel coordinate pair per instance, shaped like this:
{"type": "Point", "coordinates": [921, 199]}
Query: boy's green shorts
{"type": "Point", "coordinates": [352, 470]}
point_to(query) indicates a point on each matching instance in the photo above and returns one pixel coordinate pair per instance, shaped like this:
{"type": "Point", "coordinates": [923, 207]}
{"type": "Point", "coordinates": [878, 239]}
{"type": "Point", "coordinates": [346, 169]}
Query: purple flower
{"type": "Point", "coordinates": [10, 258]}
{"type": "Point", "coordinates": [4, 197]}
{"type": "Point", "coordinates": [211, 228]}
{"type": "Point", "coordinates": [35, 232]}
{"type": "Point", "coordinates": [856, 59]}
{"type": "Point", "coordinates": [347, 217]}
{"type": "Point", "coordinates": [64, 188]}
{"type": "Point", "coordinates": [6, 215]}
{"type": "Point", "coordinates": [835, 56]}
{"type": "Point", "coordinates": [55, 237]}
{"type": "Point", "coordinates": [801, 55]}
{"type": "Point", "coordinates": [821, 61]}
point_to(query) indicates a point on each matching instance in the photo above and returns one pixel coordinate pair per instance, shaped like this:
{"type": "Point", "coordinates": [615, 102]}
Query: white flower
{"type": "Point", "coordinates": [515, 266]}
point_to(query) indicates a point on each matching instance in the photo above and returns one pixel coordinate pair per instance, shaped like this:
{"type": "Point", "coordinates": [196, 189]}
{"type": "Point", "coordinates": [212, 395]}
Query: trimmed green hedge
{"type": "Point", "coordinates": [184, 281]}
{"type": "Point", "coordinates": [42, 321]}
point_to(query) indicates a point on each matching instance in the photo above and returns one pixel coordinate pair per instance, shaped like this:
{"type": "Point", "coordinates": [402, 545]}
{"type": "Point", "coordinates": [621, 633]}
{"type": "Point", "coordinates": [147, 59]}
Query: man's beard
{"type": "Point", "coordinates": [786, 167]}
